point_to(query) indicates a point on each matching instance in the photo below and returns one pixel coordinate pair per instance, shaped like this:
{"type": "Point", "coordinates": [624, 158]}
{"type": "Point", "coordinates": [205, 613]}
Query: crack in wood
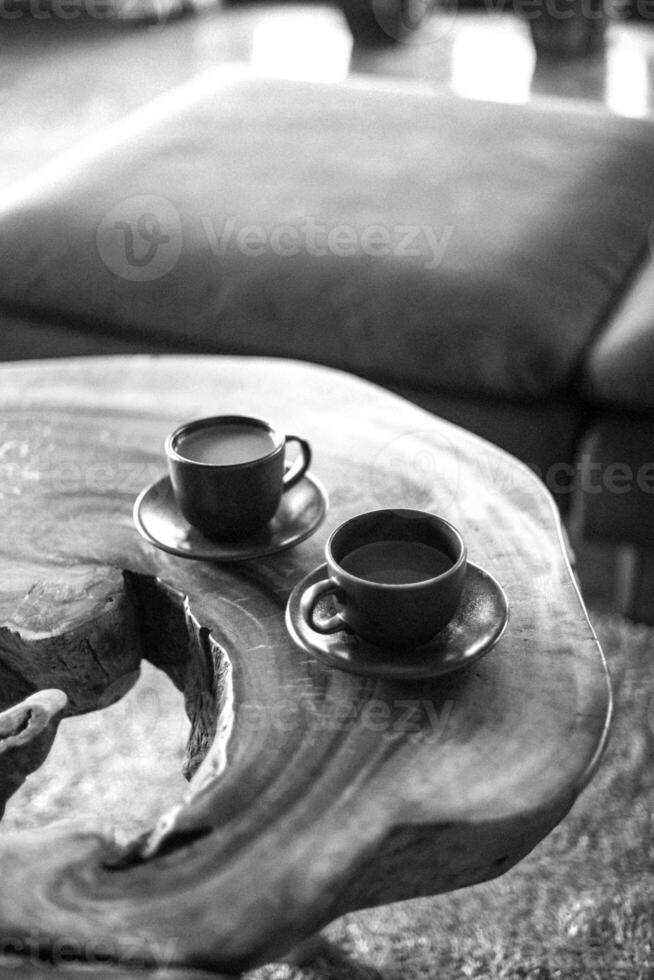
{"type": "Point", "coordinates": [21, 725]}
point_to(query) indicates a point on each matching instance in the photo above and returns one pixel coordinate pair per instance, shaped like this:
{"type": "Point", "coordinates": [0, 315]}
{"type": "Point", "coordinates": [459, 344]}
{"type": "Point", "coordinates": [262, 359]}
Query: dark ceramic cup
{"type": "Point", "coordinates": [396, 574]}
{"type": "Point", "coordinates": [228, 473]}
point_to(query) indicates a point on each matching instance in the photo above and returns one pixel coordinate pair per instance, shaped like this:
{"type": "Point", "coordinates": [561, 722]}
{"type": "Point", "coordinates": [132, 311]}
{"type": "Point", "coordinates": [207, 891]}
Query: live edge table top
{"type": "Point", "coordinates": [285, 827]}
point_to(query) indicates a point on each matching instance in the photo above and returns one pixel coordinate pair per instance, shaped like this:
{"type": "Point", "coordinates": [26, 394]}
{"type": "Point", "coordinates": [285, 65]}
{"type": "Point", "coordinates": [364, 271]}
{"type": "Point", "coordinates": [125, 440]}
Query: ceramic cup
{"type": "Point", "coordinates": [228, 473]}
{"type": "Point", "coordinates": [397, 576]}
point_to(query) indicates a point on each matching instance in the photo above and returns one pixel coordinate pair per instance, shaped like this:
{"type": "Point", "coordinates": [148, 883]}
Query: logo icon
{"type": "Point", "coordinates": [140, 238]}
{"type": "Point", "coordinates": [421, 469]}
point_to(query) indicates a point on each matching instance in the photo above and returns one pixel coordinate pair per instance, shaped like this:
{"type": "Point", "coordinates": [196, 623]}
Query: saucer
{"type": "Point", "coordinates": [478, 624]}
{"type": "Point", "coordinates": [159, 520]}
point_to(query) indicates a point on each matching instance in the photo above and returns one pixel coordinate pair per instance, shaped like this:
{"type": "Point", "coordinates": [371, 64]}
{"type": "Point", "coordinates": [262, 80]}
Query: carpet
{"type": "Point", "coordinates": [579, 907]}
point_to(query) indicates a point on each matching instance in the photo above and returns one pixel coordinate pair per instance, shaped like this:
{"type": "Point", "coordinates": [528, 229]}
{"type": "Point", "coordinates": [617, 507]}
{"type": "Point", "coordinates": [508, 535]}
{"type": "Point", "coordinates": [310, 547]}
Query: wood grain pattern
{"type": "Point", "coordinates": [312, 792]}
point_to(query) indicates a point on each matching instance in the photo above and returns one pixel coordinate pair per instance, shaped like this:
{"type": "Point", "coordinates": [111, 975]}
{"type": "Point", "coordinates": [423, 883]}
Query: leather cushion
{"type": "Point", "coordinates": [544, 436]}
{"type": "Point", "coordinates": [25, 339]}
{"type": "Point", "coordinates": [615, 497]}
{"type": "Point", "coordinates": [537, 214]}
{"type": "Point", "coordinates": [620, 366]}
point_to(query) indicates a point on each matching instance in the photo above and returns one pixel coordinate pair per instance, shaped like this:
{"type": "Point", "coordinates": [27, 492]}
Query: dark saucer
{"type": "Point", "coordinates": [478, 624]}
{"type": "Point", "coordinates": [158, 519]}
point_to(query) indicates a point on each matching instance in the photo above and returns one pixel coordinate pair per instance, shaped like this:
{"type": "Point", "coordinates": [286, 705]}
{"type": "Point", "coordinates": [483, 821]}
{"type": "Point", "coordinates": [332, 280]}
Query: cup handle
{"type": "Point", "coordinates": [299, 467]}
{"type": "Point", "coordinates": [332, 624]}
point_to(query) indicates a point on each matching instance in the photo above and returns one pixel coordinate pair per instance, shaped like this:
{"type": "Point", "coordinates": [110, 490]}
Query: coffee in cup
{"type": "Point", "coordinates": [397, 576]}
{"type": "Point", "coordinates": [228, 473]}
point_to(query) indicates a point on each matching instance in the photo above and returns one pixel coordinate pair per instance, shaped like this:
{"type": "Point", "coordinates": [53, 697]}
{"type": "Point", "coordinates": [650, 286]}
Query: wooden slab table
{"type": "Point", "coordinates": [324, 805]}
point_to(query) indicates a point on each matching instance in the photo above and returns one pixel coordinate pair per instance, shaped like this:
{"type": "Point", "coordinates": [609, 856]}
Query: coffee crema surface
{"type": "Point", "coordinates": [226, 445]}
{"type": "Point", "coordinates": [396, 562]}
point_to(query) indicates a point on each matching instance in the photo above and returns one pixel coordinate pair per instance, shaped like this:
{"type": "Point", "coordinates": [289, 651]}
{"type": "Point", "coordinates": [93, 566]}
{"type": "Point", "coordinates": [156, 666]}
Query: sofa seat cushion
{"type": "Point", "coordinates": [544, 435]}
{"type": "Point", "coordinates": [619, 370]}
{"type": "Point", "coordinates": [614, 497]}
{"type": "Point", "coordinates": [415, 238]}
{"type": "Point", "coordinates": [24, 338]}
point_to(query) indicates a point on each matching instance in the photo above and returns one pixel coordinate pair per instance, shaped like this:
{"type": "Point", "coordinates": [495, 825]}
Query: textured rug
{"type": "Point", "coordinates": [579, 907]}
